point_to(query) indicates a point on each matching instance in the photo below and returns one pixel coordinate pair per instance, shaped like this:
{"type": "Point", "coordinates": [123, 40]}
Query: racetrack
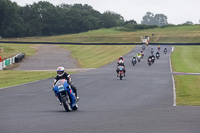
{"type": "Point", "coordinates": [141, 103]}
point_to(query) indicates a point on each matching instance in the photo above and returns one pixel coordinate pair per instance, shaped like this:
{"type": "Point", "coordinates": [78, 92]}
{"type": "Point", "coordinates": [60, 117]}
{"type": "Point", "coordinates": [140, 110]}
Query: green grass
{"type": "Point", "coordinates": [186, 59]}
{"type": "Point", "coordinates": [97, 55]}
{"type": "Point", "coordinates": [178, 34]}
{"type": "Point", "coordinates": [10, 78]}
{"type": "Point", "coordinates": [88, 56]}
{"type": "Point", "coordinates": [12, 49]}
{"type": "Point", "coordinates": [187, 89]}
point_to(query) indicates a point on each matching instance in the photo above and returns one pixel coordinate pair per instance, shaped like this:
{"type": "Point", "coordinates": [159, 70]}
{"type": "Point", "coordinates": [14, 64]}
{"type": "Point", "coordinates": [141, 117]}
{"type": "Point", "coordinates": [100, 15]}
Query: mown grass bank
{"type": "Point", "coordinates": [187, 89]}
{"type": "Point", "coordinates": [88, 56]}
{"type": "Point", "coordinates": [13, 49]}
{"type": "Point", "coordinates": [186, 59]}
{"type": "Point", "coordinates": [177, 34]}
{"type": "Point", "coordinates": [97, 55]}
{"type": "Point", "coordinates": [11, 78]}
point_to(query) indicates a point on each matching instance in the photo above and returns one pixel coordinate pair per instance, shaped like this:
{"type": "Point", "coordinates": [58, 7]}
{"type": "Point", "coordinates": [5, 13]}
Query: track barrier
{"type": "Point", "coordinates": [15, 59]}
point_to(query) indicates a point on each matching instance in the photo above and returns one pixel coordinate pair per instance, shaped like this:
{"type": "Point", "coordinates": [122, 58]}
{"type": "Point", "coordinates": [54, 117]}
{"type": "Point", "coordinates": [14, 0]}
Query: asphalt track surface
{"type": "Point", "coordinates": [140, 103]}
{"type": "Point", "coordinates": [48, 57]}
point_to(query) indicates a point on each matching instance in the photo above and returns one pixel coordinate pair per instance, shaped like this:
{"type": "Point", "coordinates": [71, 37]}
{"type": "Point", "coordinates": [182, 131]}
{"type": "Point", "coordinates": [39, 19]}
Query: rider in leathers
{"type": "Point", "coordinates": [61, 74]}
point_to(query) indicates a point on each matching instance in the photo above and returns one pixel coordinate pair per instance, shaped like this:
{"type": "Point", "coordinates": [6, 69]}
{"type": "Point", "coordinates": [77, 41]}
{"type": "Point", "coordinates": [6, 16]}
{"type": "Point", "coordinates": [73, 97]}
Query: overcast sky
{"type": "Point", "coordinates": [177, 11]}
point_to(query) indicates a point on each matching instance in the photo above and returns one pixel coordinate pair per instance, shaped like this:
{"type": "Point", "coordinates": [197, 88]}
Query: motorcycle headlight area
{"type": "Point", "coordinates": [61, 88]}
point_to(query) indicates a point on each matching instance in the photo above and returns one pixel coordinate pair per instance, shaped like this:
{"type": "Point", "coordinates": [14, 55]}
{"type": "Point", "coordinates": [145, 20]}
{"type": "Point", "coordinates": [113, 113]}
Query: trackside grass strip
{"type": "Point", "coordinates": [97, 55]}
{"type": "Point", "coordinates": [13, 49]}
{"type": "Point", "coordinates": [187, 89]}
{"type": "Point", "coordinates": [186, 59]}
{"type": "Point", "coordinates": [178, 34]}
{"type": "Point", "coordinates": [11, 78]}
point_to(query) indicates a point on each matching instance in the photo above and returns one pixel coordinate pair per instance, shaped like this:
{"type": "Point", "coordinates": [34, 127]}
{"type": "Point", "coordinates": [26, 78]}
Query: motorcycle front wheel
{"type": "Point", "coordinates": [66, 104]}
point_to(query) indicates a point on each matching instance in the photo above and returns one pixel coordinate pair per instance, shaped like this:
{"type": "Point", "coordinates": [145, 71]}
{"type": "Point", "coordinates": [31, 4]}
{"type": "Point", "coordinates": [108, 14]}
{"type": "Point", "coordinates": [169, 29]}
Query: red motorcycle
{"type": "Point", "coordinates": [149, 61]}
{"type": "Point", "coordinates": [120, 72]}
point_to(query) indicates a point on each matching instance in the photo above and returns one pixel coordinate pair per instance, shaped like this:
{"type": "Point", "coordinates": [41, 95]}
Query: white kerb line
{"type": "Point", "coordinates": [174, 89]}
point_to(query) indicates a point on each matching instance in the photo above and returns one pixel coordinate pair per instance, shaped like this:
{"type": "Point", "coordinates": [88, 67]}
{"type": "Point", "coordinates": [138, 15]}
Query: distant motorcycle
{"type": "Point", "coordinates": [157, 55]}
{"type": "Point", "coordinates": [165, 50]}
{"type": "Point", "coordinates": [134, 61]}
{"type": "Point", "coordinates": [139, 58]}
{"type": "Point", "coordinates": [153, 58]}
{"type": "Point", "coordinates": [151, 51]}
{"type": "Point", "coordinates": [158, 48]}
{"type": "Point", "coordinates": [142, 54]}
{"type": "Point", "coordinates": [121, 73]}
{"type": "Point", "coordinates": [143, 47]}
{"type": "Point", "coordinates": [149, 61]}
{"type": "Point", "coordinates": [66, 95]}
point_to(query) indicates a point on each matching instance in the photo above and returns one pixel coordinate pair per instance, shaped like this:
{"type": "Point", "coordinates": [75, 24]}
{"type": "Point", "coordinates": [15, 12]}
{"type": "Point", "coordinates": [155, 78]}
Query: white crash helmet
{"type": "Point", "coordinates": [60, 71]}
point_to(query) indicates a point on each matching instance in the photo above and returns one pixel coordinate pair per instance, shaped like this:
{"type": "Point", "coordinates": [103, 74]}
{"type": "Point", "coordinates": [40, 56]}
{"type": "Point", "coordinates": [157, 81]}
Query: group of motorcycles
{"type": "Point", "coordinates": [66, 95]}
{"type": "Point", "coordinates": [150, 60]}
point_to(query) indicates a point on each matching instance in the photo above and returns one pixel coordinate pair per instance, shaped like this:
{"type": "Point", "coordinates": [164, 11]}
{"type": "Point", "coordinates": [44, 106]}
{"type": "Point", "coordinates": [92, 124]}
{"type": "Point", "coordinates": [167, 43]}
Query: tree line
{"type": "Point", "coordinates": [45, 19]}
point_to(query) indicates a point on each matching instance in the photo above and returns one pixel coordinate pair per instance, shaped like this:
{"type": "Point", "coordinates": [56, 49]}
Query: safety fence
{"type": "Point", "coordinates": [15, 59]}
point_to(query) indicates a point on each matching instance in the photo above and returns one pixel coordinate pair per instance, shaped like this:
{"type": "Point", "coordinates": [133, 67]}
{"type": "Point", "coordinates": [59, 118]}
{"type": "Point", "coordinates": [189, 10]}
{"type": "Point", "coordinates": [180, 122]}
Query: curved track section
{"type": "Point", "coordinates": [140, 103]}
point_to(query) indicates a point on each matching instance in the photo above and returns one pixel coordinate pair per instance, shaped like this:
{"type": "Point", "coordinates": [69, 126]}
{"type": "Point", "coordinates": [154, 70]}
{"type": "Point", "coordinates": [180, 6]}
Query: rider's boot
{"type": "Point", "coordinates": [77, 98]}
{"type": "Point", "coordinates": [59, 101]}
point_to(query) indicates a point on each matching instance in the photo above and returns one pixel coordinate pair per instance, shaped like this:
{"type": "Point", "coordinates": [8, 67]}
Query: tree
{"type": "Point", "coordinates": [11, 23]}
{"type": "Point", "coordinates": [160, 20]}
{"type": "Point", "coordinates": [45, 19]}
{"type": "Point", "coordinates": [188, 23]}
{"type": "Point", "coordinates": [151, 19]}
{"type": "Point", "coordinates": [110, 19]}
{"type": "Point", "coordinates": [130, 22]}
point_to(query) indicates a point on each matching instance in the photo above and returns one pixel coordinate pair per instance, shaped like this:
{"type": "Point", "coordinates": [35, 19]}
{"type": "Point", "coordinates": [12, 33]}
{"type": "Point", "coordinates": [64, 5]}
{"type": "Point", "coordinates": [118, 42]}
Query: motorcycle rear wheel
{"type": "Point", "coordinates": [120, 76]}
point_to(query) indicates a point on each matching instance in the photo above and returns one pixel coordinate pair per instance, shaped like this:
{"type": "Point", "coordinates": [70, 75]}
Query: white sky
{"type": "Point", "coordinates": [177, 11]}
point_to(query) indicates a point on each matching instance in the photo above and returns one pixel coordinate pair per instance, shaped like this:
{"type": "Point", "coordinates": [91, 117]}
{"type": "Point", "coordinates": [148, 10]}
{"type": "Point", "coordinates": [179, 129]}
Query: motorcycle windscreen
{"type": "Point", "coordinates": [60, 82]}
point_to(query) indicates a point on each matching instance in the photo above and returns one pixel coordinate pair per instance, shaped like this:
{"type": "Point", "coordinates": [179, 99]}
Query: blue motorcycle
{"type": "Point", "coordinates": [66, 95]}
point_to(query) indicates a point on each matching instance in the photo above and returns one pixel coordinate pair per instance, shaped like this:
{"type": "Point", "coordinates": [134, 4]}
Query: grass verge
{"type": "Point", "coordinates": [13, 49]}
{"type": "Point", "coordinates": [11, 78]}
{"type": "Point", "coordinates": [97, 55]}
{"type": "Point", "coordinates": [178, 34]}
{"type": "Point", "coordinates": [187, 90]}
{"type": "Point", "coordinates": [186, 59]}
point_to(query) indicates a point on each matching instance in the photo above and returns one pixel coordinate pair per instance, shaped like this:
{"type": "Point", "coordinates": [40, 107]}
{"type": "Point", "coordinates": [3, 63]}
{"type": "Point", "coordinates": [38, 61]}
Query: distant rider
{"type": "Point", "coordinates": [158, 47]}
{"type": "Point", "coordinates": [153, 58]}
{"type": "Point", "coordinates": [120, 63]}
{"type": "Point", "coordinates": [142, 53]}
{"type": "Point", "coordinates": [149, 58]}
{"type": "Point", "coordinates": [165, 50]}
{"type": "Point", "coordinates": [152, 50]}
{"type": "Point", "coordinates": [157, 53]}
{"type": "Point", "coordinates": [61, 74]}
{"type": "Point", "coordinates": [120, 58]}
{"type": "Point", "coordinates": [134, 57]}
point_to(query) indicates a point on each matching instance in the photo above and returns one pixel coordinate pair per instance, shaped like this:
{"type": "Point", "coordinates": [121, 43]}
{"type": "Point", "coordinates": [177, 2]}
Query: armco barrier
{"type": "Point", "coordinates": [1, 65]}
{"type": "Point", "coordinates": [19, 57]}
{"type": "Point", "coordinates": [13, 60]}
{"type": "Point", "coordinates": [7, 62]}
